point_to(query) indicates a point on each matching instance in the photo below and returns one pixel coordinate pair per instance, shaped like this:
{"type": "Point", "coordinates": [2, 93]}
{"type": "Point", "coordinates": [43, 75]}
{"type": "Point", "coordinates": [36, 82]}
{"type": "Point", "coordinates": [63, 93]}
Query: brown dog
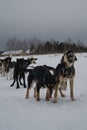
{"type": "Point", "coordinates": [64, 71]}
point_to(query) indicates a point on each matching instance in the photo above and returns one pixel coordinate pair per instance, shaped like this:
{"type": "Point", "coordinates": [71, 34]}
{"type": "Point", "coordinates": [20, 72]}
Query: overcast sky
{"type": "Point", "coordinates": [44, 19]}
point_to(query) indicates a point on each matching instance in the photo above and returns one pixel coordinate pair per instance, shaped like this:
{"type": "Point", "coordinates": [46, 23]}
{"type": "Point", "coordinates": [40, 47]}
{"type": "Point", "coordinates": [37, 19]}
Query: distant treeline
{"type": "Point", "coordinates": [44, 47]}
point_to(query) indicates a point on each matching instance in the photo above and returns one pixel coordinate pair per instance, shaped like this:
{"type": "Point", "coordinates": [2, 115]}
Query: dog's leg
{"type": "Point", "coordinates": [20, 77]}
{"type": "Point", "coordinates": [61, 93]}
{"type": "Point", "coordinates": [38, 95]}
{"type": "Point", "coordinates": [47, 95]}
{"type": "Point", "coordinates": [17, 83]}
{"type": "Point", "coordinates": [3, 70]}
{"type": "Point", "coordinates": [71, 89]}
{"type": "Point", "coordinates": [20, 82]}
{"type": "Point", "coordinates": [30, 79]}
{"type": "Point", "coordinates": [35, 92]}
{"type": "Point", "coordinates": [27, 93]}
{"type": "Point", "coordinates": [55, 93]}
{"type": "Point", "coordinates": [13, 82]}
{"type": "Point", "coordinates": [24, 81]}
{"type": "Point", "coordinates": [14, 79]}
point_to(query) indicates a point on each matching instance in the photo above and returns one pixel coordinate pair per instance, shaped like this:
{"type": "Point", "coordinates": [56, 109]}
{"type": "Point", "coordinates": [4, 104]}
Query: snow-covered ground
{"type": "Point", "coordinates": [18, 113]}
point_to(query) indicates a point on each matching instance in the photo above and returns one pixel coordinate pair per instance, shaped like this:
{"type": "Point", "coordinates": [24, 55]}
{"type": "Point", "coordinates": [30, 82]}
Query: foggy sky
{"type": "Point", "coordinates": [44, 19]}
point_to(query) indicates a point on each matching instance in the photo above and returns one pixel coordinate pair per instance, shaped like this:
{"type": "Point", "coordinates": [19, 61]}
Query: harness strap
{"type": "Point", "coordinates": [68, 71]}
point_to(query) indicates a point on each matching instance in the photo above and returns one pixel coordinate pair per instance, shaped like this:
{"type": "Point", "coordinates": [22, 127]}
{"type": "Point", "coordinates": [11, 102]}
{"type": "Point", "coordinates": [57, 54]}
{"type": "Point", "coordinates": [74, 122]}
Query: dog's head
{"type": "Point", "coordinates": [32, 60]}
{"type": "Point", "coordinates": [69, 58]}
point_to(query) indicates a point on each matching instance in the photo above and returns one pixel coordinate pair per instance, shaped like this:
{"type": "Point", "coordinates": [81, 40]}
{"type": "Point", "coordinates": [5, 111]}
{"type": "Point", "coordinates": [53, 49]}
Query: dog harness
{"type": "Point", "coordinates": [68, 71]}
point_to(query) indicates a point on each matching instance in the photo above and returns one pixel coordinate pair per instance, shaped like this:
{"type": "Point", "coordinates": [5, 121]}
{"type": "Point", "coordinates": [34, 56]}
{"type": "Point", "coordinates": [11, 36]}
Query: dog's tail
{"type": "Point", "coordinates": [49, 67]}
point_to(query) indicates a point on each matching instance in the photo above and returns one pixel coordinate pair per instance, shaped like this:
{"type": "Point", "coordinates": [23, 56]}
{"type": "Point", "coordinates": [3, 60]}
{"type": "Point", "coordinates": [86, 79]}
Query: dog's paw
{"type": "Point", "coordinates": [62, 95]}
{"type": "Point", "coordinates": [27, 97]}
{"type": "Point", "coordinates": [54, 100]}
{"type": "Point", "coordinates": [73, 99]}
{"type": "Point", "coordinates": [37, 99]}
{"type": "Point", "coordinates": [17, 87]}
{"type": "Point", "coordinates": [47, 99]}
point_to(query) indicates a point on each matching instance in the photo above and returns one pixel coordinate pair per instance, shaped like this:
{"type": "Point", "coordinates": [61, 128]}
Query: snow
{"type": "Point", "coordinates": [12, 52]}
{"type": "Point", "coordinates": [16, 112]}
{"type": "Point", "coordinates": [16, 52]}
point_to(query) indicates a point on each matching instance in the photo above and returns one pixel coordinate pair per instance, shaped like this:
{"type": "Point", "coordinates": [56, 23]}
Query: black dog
{"type": "Point", "coordinates": [19, 70]}
{"type": "Point", "coordinates": [64, 71]}
{"type": "Point", "coordinates": [43, 78]}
